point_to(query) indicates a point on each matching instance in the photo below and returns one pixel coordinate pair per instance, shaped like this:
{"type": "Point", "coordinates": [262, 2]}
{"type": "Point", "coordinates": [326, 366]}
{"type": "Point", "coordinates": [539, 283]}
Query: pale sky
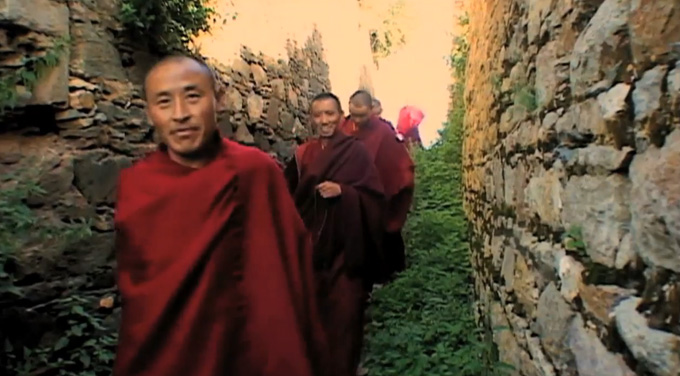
{"type": "Point", "coordinates": [418, 73]}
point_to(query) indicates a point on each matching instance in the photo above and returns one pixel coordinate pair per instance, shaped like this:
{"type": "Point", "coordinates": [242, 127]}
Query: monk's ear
{"type": "Point", "coordinates": [220, 98]}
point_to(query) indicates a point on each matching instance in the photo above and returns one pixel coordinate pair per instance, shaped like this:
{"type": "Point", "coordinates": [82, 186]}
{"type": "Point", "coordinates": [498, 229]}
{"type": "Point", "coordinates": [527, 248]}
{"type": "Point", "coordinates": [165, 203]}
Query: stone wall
{"type": "Point", "coordinates": [85, 121]}
{"type": "Point", "coordinates": [572, 175]}
{"type": "Point", "coordinates": [266, 25]}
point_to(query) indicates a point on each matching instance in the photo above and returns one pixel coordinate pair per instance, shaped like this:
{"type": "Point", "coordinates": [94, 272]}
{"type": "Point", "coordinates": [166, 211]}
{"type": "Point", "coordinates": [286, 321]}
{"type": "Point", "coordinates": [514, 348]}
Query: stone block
{"type": "Point", "coordinates": [45, 16]}
{"type": "Point", "coordinates": [53, 86]}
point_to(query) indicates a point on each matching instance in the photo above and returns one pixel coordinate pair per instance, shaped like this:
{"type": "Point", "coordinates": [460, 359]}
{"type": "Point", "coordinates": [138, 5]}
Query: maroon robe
{"type": "Point", "coordinates": [347, 231]}
{"type": "Point", "coordinates": [215, 270]}
{"type": "Point", "coordinates": [397, 173]}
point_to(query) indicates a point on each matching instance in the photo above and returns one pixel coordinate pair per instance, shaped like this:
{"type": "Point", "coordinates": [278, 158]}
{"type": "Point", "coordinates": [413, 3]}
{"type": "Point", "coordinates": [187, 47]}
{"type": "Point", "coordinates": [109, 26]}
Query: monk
{"type": "Point", "coordinates": [338, 192]}
{"type": "Point", "coordinates": [378, 110]}
{"type": "Point", "coordinates": [410, 118]}
{"type": "Point", "coordinates": [214, 262]}
{"type": "Point", "coordinates": [396, 170]}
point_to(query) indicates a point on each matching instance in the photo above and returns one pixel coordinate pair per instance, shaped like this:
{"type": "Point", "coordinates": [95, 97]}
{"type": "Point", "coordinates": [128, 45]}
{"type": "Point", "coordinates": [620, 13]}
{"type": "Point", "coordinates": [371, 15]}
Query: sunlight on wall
{"type": "Point", "coordinates": [266, 25]}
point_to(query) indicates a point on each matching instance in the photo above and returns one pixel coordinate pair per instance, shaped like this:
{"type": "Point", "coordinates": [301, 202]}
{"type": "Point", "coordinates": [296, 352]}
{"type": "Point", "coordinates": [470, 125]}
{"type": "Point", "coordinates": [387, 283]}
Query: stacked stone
{"type": "Point", "coordinates": [594, 145]}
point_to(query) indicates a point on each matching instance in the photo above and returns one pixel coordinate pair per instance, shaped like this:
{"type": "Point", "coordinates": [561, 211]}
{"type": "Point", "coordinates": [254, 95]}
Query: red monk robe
{"type": "Point", "coordinates": [396, 170]}
{"type": "Point", "coordinates": [215, 270]}
{"type": "Point", "coordinates": [348, 232]}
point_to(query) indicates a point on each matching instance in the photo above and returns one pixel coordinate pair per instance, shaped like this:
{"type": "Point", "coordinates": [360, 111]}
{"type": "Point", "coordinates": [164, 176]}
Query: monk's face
{"type": "Point", "coordinates": [182, 106]}
{"type": "Point", "coordinates": [360, 114]}
{"type": "Point", "coordinates": [326, 116]}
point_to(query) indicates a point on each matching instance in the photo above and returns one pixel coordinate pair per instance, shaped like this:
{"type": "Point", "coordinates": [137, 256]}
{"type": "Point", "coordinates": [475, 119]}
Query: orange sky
{"type": "Point", "coordinates": [418, 73]}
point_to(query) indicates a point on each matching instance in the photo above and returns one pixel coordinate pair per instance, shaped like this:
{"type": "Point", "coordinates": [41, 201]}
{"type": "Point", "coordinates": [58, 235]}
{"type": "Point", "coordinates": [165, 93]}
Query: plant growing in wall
{"type": "Point", "coordinates": [165, 26]}
{"type": "Point", "coordinates": [29, 74]}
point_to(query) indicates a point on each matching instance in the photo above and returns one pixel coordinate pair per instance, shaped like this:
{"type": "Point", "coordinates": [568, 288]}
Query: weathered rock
{"type": "Point", "coordinates": [653, 29]}
{"type": "Point", "coordinates": [93, 54]}
{"type": "Point", "coordinates": [656, 349]}
{"type": "Point", "coordinates": [571, 276]}
{"type": "Point", "coordinates": [547, 79]}
{"type": "Point", "coordinates": [673, 82]}
{"type": "Point", "coordinates": [243, 135]}
{"type": "Point", "coordinates": [233, 100]}
{"type": "Point", "coordinates": [647, 93]}
{"type": "Point", "coordinates": [278, 89]}
{"type": "Point", "coordinates": [52, 87]}
{"type": "Point", "coordinates": [598, 301]}
{"type": "Point", "coordinates": [544, 196]}
{"type": "Point", "coordinates": [255, 106]}
{"type": "Point", "coordinates": [96, 175]}
{"type": "Point", "coordinates": [553, 317]}
{"type": "Point", "coordinates": [602, 158]}
{"type": "Point", "coordinates": [655, 204]}
{"type": "Point", "coordinates": [538, 10]}
{"type": "Point", "coordinates": [45, 16]}
{"type": "Point", "coordinates": [82, 100]}
{"type": "Point", "coordinates": [599, 206]}
{"type": "Point", "coordinates": [592, 358]}
{"type": "Point", "coordinates": [259, 75]}
{"type": "Point", "coordinates": [601, 53]}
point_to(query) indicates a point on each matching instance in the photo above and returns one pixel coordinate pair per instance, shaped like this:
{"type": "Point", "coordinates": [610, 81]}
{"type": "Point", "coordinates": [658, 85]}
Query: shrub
{"type": "Point", "coordinates": [166, 26]}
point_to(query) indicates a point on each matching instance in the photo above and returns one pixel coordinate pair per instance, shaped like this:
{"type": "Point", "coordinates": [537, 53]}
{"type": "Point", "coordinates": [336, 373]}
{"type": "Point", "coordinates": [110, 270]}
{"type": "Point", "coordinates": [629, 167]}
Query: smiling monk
{"type": "Point", "coordinates": [214, 263]}
{"type": "Point", "coordinates": [396, 170]}
{"type": "Point", "coordinates": [338, 192]}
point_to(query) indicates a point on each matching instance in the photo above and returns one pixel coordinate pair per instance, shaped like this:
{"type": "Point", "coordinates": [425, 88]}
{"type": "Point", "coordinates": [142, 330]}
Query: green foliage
{"type": "Point", "coordinates": [86, 345]}
{"type": "Point", "coordinates": [32, 70]}
{"type": "Point", "coordinates": [423, 323]}
{"type": "Point", "coordinates": [166, 26]}
{"type": "Point", "coordinates": [526, 97]}
{"type": "Point", "coordinates": [82, 344]}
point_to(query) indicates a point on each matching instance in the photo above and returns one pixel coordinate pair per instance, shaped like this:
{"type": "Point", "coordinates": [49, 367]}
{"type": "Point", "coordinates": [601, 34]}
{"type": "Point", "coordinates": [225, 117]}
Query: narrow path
{"type": "Point", "coordinates": [423, 322]}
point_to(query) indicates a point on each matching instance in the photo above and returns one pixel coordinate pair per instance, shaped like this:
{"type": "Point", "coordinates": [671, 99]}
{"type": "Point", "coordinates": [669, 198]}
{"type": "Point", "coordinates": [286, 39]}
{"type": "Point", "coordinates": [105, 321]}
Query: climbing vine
{"type": "Point", "coordinates": [423, 323]}
{"type": "Point", "coordinates": [166, 26]}
{"type": "Point", "coordinates": [78, 341]}
{"type": "Point", "coordinates": [28, 74]}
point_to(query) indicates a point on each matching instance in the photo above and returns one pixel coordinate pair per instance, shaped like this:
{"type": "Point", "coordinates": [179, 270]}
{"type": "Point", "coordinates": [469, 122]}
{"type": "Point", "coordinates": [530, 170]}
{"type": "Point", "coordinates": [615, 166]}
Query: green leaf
{"type": "Point", "coordinates": [61, 343]}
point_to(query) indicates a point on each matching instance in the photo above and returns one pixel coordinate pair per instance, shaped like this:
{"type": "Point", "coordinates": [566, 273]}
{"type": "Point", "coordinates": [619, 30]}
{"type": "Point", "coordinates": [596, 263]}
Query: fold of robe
{"type": "Point", "coordinates": [347, 230]}
{"type": "Point", "coordinates": [214, 271]}
{"type": "Point", "coordinates": [397, 174]}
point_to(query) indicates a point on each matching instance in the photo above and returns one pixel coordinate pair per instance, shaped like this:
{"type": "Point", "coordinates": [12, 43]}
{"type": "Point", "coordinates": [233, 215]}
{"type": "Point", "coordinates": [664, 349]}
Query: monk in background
{"type": "Point", "coordinates": [214, 262]}
{"type": "Point", "coordinates": [377, 111]}
{"type": "Point", "coordinates": [409, 121]}
{"type": "Point", "coordinates": [338, 192]}
{"type": "Point", "coordinates": [396, 170]}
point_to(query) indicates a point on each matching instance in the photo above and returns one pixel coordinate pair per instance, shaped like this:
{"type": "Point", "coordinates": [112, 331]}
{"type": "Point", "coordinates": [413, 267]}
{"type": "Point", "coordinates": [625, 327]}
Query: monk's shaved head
{"type": "Point", "coordinates": [361, 98]}
{"type": "Point", "coordinates": [199, 64]}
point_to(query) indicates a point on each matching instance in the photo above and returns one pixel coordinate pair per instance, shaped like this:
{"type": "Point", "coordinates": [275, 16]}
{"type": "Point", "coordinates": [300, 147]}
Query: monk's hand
{"type": "Point", "coordinates": [328, 189]}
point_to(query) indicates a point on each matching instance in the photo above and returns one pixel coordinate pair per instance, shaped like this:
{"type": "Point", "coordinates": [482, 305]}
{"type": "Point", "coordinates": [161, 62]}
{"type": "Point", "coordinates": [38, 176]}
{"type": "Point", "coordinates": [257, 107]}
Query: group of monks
{"type": "Point", "coordinates": [228, 265]}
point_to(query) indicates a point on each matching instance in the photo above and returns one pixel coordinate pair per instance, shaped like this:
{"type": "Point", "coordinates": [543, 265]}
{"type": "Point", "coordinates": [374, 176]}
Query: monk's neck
{"type": "Point", "coordinates": [199, 159]}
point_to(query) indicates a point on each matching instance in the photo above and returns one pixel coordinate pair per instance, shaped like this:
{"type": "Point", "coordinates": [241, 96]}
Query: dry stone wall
{"type": "Point", "coordinates": [85, 121]}
{"type": "Point", "coordinates": [572, 176]}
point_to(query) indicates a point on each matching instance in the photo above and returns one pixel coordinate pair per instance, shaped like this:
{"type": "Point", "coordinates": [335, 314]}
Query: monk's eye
{"type": "Point", "coordinates": [193, 96]}
{"type": "Point", "coordinates": [163, 102]}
